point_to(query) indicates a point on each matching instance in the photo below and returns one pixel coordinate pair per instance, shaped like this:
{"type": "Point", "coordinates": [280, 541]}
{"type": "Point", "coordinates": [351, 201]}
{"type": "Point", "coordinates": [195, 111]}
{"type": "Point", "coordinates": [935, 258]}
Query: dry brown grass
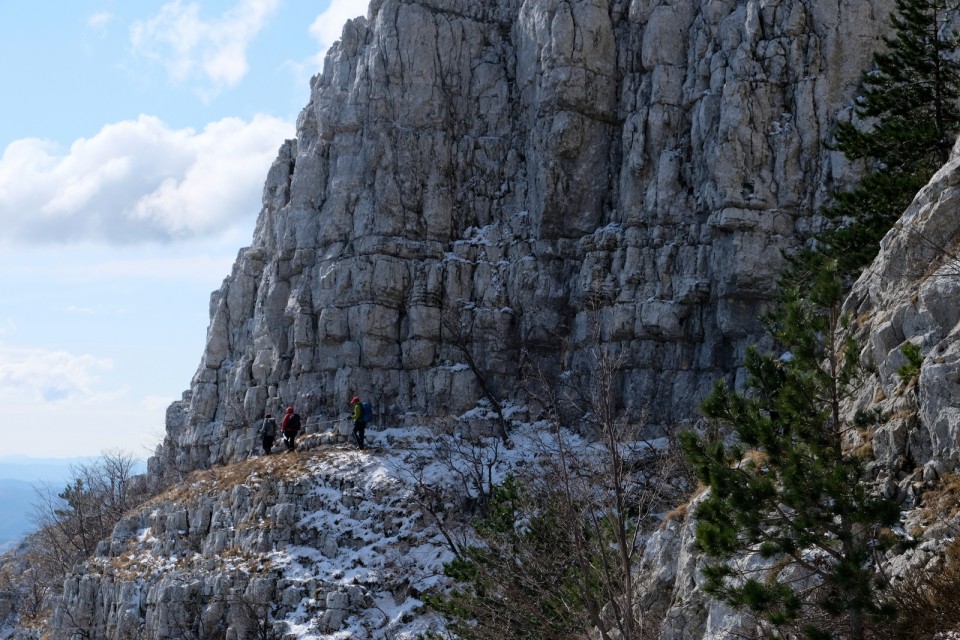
{"type": "Point", "coordinates": [755, 458]}
{"type": "Point", "coordinates": [943, 500]}
{"type": "Point", "coordinates": [283, 466]}
{"type": "Point", "coordinates": [136, 565]}
{"type": "Point", "coordinates": [906, 414]}
{"type": "Point", "coordinates": [680, 512]}
{"type": "Point", "coordinates": [863, 445]}
{"type": "Point", "coordinates": [280, 467]}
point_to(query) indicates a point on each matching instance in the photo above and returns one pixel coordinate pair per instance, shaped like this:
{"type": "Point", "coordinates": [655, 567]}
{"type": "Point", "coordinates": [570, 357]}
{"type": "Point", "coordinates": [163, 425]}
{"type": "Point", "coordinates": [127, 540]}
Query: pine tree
{"type": "Point", "coordinates": [911, 107]}
{"type": "Point", "coordinates": [783, 485]}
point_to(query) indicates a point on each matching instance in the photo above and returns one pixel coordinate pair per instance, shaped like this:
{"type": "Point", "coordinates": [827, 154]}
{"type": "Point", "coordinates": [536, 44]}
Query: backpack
{"type": "Point", "coordinates": [293, 424]}
{"type": "Point", "coordinates": [367, 412]}
{"type": "Point", "coordinates": [269, 427]}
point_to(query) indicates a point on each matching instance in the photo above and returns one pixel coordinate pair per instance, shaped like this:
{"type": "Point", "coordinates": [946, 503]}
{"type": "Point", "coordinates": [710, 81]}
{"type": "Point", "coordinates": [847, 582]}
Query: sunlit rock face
{"type": "Point", "coordinates": [909, 295]}
{"type": "Point", "coordinates": [523, 182]}
{"type": "Point", "coordinates": [529, 179]}
{"type": "Point", "coordinates": [324, 543]}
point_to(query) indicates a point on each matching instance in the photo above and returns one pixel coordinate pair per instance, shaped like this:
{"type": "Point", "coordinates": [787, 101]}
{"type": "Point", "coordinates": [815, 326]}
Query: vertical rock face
{"type": "Point", "coordinates": [908, 295]}
{"type": "Point", "coordinates": [529, 178]}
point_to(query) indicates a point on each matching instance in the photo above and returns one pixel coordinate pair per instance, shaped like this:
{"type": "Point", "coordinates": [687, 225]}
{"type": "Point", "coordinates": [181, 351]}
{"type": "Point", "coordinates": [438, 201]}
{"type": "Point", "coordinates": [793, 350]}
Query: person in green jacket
{"type": "Point", "coordinates": [359, 424]}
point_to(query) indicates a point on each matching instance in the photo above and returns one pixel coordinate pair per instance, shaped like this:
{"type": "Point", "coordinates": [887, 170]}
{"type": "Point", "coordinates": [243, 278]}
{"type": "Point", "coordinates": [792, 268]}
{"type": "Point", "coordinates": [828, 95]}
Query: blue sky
{"type": "Point", "coordinates": [135, 138]}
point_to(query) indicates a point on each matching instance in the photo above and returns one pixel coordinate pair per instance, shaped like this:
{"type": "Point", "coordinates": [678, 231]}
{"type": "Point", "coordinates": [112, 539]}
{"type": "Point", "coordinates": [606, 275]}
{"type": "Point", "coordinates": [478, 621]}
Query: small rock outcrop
{"type": "Point", "coordinates": [308, 544]}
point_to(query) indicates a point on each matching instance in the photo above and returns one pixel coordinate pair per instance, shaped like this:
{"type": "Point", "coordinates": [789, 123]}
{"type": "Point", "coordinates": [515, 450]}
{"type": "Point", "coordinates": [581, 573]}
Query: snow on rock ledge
{"type": "Point", "coordinates": [309, 544]}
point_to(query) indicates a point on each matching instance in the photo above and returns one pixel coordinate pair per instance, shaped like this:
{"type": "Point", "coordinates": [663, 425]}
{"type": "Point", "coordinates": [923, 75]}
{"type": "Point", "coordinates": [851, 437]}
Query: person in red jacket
{"type": "Point", "coordinates": [290, 427]}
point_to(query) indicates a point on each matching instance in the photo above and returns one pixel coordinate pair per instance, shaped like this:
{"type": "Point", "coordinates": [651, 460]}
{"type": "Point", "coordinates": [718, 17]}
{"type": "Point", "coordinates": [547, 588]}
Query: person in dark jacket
{"type": "Point", "coordinates": [268, 430]}
{"type": "Point", "coordinates": [290, 427]}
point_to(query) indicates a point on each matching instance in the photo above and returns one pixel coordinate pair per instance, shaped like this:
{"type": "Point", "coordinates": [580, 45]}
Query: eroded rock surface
{"type": "Point", "coordinates": [530, 178]}
{"type": "Point", "coordinates": [909, 295]}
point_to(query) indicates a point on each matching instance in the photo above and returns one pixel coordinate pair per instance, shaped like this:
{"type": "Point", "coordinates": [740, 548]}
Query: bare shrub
{"type": "Point", "coordinates": [928, 602]}
{"type": "Point", "coordinates": [70, 524]}
{"type": "Point", "coordinates": [471, 463]}
{"type": "Point", "coordinates": [612, 481]}
{"type": "Point", "coordinates": [556, 547]}
{"type": "Point", "coordinates": [460, 331]}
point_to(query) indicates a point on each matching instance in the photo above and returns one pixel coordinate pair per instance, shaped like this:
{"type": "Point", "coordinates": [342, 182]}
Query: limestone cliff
{"type": "Point", "coordinates": [515, 181]}
{"type": "Point", "coordinates": [529, 178]}
{"type": "Point", "coordinates": [909, 295]}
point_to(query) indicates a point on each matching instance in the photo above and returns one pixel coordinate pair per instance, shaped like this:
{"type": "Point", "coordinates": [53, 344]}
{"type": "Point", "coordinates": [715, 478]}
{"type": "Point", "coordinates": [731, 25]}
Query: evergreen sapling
{"type": "Point", "coordinates": [785, 489]}
{"type": "Point", "coordinates": [905, 124]}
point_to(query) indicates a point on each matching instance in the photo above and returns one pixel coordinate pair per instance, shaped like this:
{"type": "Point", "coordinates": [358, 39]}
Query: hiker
{"type": "Point", "coordinates": [290, 427]}
{"type": "Point", "coordinates": [268, 429]}
{"type": "Point", "coordinates": [359, 421]}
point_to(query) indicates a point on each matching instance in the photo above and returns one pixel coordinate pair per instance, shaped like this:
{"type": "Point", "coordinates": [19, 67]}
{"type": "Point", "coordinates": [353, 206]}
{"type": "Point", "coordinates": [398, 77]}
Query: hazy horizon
{"type": "Point", "coordinates": [20, 477]}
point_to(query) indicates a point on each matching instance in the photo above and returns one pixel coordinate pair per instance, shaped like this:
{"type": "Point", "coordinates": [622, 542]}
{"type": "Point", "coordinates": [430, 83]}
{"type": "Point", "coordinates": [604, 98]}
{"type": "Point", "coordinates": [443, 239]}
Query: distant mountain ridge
{"type": "Point", "coordinates": [16, 498]}
{"type": "Point", "coordinates": [19, 478]}
{"type": "Point", "coordinates": [28, 469]}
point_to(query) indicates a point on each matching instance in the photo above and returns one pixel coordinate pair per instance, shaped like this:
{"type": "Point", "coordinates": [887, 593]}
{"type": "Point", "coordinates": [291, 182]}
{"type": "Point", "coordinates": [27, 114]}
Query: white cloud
{"type": "Point", "coordinates": [100, 21]}
{"type": "Point", "coordinates": [87, 311]}
{"type": "Point", "coordinates": [138, 181]}
{"type": "Point", "coordinates": [328, 26]}
{"type": "Point", "coordinates": [212, 53]}
{"type": "Point", "coordinates": [49, 376]}
{"type": "Point", "coordinates": [7, 326]}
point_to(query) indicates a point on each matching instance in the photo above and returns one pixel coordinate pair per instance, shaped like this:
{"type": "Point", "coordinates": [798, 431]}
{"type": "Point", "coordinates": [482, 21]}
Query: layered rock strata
{"type": "Point", "coordinates": [909, 295]}
{"type": "Point", "coordinates": [524, 180]}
